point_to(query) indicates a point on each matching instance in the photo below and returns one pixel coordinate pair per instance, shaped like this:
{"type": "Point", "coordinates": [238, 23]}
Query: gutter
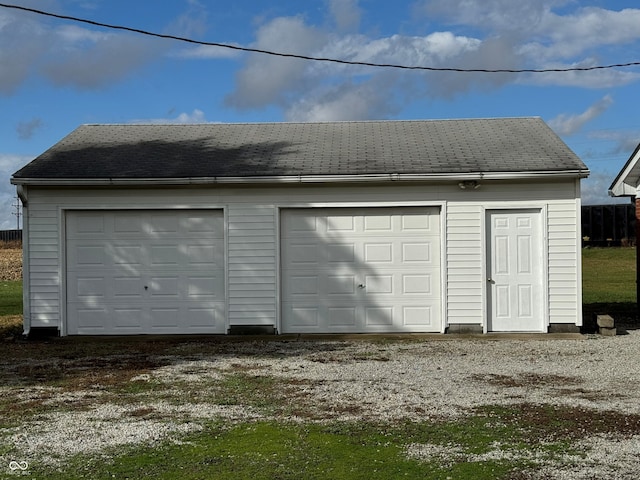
{"type": "Point", "coordinates": [292, 179]}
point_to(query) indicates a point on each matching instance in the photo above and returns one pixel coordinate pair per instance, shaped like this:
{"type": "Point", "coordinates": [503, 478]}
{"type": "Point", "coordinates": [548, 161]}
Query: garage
{"type": "Point", "coordinates": [145, 272]}
{"type": "Point", "coordinates": [364, 270]}
{"type": "Point", "coordinates": [446, 226]}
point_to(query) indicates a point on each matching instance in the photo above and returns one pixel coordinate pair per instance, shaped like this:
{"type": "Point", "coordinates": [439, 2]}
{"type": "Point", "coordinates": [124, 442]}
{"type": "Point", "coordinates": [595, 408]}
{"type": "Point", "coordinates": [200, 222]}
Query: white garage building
{"type": "Point", "coordinates": [348, 227]}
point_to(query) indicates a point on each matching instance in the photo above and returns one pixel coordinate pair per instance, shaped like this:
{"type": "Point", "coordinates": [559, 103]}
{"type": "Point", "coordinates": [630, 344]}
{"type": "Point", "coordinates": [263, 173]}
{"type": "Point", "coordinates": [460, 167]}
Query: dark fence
{"type": "Point", "coordinates": [609, 225]}
{"type": "Point", "coordinates": [10, 235]}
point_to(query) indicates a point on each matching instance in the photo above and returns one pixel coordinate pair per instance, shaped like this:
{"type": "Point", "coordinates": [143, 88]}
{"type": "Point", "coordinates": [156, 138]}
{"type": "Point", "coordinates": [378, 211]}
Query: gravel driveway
{"type": "Point", "coordinates": [380, 380]}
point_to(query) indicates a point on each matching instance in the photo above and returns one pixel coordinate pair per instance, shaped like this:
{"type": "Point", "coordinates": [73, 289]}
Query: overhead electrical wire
{"type": "Point", "coordinates": [317, 59]}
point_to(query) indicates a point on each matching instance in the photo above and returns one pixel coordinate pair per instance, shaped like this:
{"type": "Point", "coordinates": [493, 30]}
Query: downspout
{"type": "Point", "coordinates": [26, 290]}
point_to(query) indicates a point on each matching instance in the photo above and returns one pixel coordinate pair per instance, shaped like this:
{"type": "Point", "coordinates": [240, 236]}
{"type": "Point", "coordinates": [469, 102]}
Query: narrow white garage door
{"type": "Point", "coordinates": [361, 270]}
{"type": "Point", "coordinates": [145, 272]}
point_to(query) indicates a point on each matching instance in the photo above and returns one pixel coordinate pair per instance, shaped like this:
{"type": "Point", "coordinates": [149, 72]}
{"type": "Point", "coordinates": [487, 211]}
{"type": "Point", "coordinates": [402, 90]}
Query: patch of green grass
{"type": "Point", "coordinates": [10, 297]}
{"type": "Point", "coordinates": [491, 442]}
{"type": "Point", "coordinates": [271, 450]}
{"type": "Point", "coordinates": [245, 389]}
{"type": "Point", "coordinates": [609, 275]}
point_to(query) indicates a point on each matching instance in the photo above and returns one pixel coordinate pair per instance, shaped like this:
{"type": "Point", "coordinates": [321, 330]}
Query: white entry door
{"type": "Point", "coordinates": [145, 272]}
{"type": "Point", "coordinates": [515, 271]}
{"type": "Point", "coordinates": [361, 270]}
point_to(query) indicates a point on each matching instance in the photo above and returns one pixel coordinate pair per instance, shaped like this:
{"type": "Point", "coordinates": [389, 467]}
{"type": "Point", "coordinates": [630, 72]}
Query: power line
{"type": "Point", "coordinates": [319, 59]}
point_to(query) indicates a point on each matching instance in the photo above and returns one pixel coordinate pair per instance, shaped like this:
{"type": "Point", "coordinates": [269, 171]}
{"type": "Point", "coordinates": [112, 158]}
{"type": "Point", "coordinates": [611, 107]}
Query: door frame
{"type": "Point", "coordinates": [542, 213]}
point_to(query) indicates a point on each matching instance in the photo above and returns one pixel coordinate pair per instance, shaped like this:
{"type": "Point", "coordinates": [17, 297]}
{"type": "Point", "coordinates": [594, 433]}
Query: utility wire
{"type": "Point", "coordinates": [318, 59]}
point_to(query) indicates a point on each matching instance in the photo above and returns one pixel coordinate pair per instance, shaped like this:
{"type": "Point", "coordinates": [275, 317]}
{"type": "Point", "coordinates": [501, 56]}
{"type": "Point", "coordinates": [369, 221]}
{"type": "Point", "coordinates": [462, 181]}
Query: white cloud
{"type": "Point", "coordinates": [321, 90]}
{"type": "Point", "coordinates": [344, 102]}
{"type": "Point", "coordinates": [267, 79]}
{"type": "Point", "coordinates": [206, 52]}
{"type": "Point", "coordinates": [624, 141]}
{"type": "Point", "coordinates": [196, 116]}
{"type": "Point", "coordinates": [565, 124]}
{"type": "Point", "coordinates": [595, 190]}
{"type": "Point", "coordinates": [590, 27]}
{"type": "Point", "coordinates": [72, 55]}
{"type": "Point", "coordinates": [492, 15]}
{"type": "Point", "coordinates": [346, 13]}
{"type": "Point", "coordinates": [518, 36]}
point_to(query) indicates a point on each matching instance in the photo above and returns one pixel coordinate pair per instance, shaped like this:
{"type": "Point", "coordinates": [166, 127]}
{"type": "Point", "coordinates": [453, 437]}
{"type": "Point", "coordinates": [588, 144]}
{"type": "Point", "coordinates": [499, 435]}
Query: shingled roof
{"type": "Point", "coordinates": [268, 150]}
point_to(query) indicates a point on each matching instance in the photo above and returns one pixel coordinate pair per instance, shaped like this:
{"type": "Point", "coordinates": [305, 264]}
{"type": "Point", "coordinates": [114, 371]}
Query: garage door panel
{"type": "Point", "coordinates": [340, 285]}
{"type": "Point", "coordinates": [143, 266]}
{"type": "Point", "coordinates": [162, 255]}
{"type": "Point", "coordinates": [205, 287]}
{"type": "Point", "coordinates": [344, 252]}
{"type": "Point", "coordinates": [90, 256]}
{"type": "Point", "coordinates": [90, 319]}
{"type": "Point", "coordinates": [417, 284]}
{"type": "Point", "coordinates": [417, 252]}
{"type": "Point", "coordinates": [127, 318]}
{"type": "Point", "coordinates": [361, 270]}
{"type": "Point", "coordinates": [164, 287]}
{"type": "Point", "coordinates": [304, 317]}
{"type": "Point", "coordinates": [378, 253]}
{"type": "Point", "coordinates": [419, 223]}
{"type": "Point", "coordinates": [203, 224]}
{"type": "Point", "coordinates": [418, 316]}
{"type": "Point", "coordinates": [342, 316]}
{"type": "Point", "coordinates": [127, 287]}
{"type": "Point", "coordinates": [340, 223]}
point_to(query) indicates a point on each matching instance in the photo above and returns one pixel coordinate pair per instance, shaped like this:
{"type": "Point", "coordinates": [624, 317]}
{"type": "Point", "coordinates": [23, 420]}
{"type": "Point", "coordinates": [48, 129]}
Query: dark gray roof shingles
{"type": "Point", "coordinates": [135, 151]}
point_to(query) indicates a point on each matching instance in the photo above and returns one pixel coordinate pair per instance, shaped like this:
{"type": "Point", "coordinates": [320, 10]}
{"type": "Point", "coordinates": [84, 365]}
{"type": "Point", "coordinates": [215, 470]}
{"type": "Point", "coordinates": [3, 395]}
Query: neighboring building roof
{"type": "Point", "coordinates": [628, 180]}
{"type": "Point", "coordinates": [222, 152]}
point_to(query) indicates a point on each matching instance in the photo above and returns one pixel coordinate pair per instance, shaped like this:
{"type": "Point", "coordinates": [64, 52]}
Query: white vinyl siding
{"type": "Point", "coordinates": [44, 274]}
{"type": "Point", "coordinates": [564, 260]}
{"type": "Point", "coordinates": [465, 258]}
{"type": "Point", "coordinates": [251, 231]}
{"type": "Point", "coordinates": [252, 265]}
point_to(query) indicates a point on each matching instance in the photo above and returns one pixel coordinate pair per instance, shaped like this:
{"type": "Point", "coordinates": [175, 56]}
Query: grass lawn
{"type": "Point", "coordinates": [10, 298]}
{"type": "Point", "coordinates": [609, 275]}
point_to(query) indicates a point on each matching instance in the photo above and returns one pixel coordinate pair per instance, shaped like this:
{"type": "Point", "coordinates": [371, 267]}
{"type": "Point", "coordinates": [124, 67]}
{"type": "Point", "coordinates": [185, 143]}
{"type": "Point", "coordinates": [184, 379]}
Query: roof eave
{"type": "Point", "coordinates": [386, 177]}
{"type": "Point", "coordinates": [626, 182]}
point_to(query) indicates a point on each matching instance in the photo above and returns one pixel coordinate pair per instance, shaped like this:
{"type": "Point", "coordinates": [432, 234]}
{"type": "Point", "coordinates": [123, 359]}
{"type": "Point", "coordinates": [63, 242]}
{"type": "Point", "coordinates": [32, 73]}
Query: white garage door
{"type": "Point", "coordinates": [361, 270]}
{"type": "Point", "coordinates": [145, 272]}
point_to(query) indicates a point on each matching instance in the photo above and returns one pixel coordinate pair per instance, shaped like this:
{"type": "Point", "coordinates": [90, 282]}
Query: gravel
{"type": "Point", "coordinates": [442, 377]}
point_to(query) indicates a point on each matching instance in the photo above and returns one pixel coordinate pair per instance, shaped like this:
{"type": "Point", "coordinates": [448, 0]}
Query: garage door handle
{"type": "Point", "coordinates": [146, 287]}
{"type": "Point", "coordinates": [362, 285]}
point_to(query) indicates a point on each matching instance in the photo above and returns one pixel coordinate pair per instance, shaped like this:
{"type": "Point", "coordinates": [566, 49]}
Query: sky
{"type": "Point", "coordinates": [58, 74]}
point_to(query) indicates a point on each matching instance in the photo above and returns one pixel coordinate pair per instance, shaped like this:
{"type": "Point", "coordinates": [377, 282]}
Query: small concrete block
{"type": "Point", "coordinates": [607, 332]}
{"type": "Point", "coordinates": [605, 321]}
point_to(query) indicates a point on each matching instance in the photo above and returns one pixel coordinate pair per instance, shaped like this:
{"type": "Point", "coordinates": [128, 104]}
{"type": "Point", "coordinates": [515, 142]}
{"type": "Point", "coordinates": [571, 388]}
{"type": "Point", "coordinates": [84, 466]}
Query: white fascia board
{"type": "Point", "coordinates": [387, 177]}
{"type": "Point", "coordinates": [626, 183]}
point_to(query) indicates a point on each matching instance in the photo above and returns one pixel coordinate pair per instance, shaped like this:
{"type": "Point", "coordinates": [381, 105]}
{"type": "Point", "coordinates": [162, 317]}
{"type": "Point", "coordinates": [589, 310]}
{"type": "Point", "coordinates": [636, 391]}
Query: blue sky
{"type": "Point", "coordinates": [57, 74]}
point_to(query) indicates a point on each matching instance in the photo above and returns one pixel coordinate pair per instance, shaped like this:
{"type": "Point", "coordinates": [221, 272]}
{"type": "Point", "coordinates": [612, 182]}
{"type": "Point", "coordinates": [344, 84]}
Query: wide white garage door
{"type": "Point", "coordinates": [145, 272]}
{"type": "Point", "coordinates": [361, 270]}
